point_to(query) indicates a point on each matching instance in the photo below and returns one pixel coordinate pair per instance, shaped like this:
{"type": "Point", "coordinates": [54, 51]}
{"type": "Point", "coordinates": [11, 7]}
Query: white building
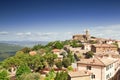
{"type": "Point", "coordinates": [102, 68]}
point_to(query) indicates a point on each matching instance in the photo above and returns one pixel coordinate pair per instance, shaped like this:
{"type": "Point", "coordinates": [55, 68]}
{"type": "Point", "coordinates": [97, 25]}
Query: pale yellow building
{"type": "Point", "coordinates": [102, 68]}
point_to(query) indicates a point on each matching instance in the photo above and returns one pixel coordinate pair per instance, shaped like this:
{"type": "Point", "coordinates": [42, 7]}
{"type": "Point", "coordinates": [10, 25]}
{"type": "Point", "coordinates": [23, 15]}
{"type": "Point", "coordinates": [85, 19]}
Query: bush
{"type": "Point", "coordinates": [59, 64]}
{"type": "Point", "coordinates": [66, 62]}
{"type": "Point", "coordinates": [61, 76]}
{"type": "Point", "coordinates": [30, 76]}
{"type": "Point", "coordinates": [23, 69]}
{"type": "Point", "coordinates": [4, 75]}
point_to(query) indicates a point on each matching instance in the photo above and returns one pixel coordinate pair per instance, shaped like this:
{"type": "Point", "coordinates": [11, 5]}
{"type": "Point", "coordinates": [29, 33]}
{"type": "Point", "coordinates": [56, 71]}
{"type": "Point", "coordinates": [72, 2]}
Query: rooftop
{"type": "Point", "coordinates": [97, 61]}
{"type": "Point", "coordinates": [79, 73]}
{"type": "Point", "coordinates": [104, 45]}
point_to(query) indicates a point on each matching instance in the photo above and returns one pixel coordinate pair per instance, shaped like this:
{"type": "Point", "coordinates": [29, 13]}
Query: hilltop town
{"type": "Point", "coordinates": [84, 57]}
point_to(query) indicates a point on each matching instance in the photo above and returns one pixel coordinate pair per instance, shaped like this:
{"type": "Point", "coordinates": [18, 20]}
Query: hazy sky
{"type": "Point", "coordinates": [58, 19]}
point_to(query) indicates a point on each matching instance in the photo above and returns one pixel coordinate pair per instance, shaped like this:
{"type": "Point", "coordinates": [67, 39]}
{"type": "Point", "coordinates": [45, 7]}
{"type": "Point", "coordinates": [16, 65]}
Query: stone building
{"type": "Point", "coordinates": [103, 48]}
{"type": "Point", "coordinates": [82, 37]}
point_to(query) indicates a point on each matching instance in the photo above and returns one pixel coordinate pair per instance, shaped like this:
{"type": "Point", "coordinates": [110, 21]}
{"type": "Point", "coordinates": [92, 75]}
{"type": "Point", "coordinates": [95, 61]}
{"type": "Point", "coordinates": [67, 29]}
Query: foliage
{"type": "Point", "coordinates": [116, 44]}
{"type": "Point", "coordinates": [63, 75]}
{"type": "Point", "coordinates": [64, 54]}
{"type": "Point", "coordinates": [71, 57]}
{"type": "Point", "coordinates": [4, 75]}
{"type": "Point", "coordinates": [36, 62]}
{"type": "Point", "coordinates": [50, 75]}
{"type": "Point", "coordinates": [11, 62]}
{"type": "Point", "coordinates": [92, 42]}
{"type": "Point", "coordinates": [75, 44]}
{"type": "Point", "coordinates": [50, 57]}
{"type": "Point", "coordinates": [22, 70]}
{"type": "Point", "coordinates": [58, 45]}
{"type": "Point", "coordinates": [37, 47]}
{"type": "Point", "coordinates": [89, 54]}
{"type": "Point", "coordinates": [30, 76]}
{"type": "Point", "coordinates": [26, 50]}
{"type": "Point", "coordinates": [70, 68]}
{"type": "Point", "coordinates": [66, 62]}
{"type": "Point", "coordinates": [59, 64]}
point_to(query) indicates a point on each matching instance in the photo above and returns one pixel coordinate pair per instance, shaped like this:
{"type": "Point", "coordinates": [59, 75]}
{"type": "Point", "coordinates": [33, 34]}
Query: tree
{"type": "Point", "coordinates": [66, 62]}
{"type": "Point", "coordinates": [89, 54]}
{"type": "Point", "coordinates": [30, 76]}
{"type": "Point", "coordinates": [71, 57]}
{"type": "Point", "coordinates": [11, 63]}
{"type": "Point", "coordinates": [4, 75]}
{"type": "Point", "coordinates": [37, 47]}
{"type": "Point", "coordinates": [26, 50]}
{"type": "Point", "coordinates": [23, 69]}
{"type": "Point", "coordinates": [63, 75]}
{"type": "Point", "coordinates": [50, 57]}
{"type": "Point", "coordinates": [50, 75]}
{"type": "Point", "coordinates": [36, 62]}
{"type": "Point", "coordinates": [58, 45]}
{"type": "Point", "coordinates": [76, 43]}
{"type": "Point", "coordinates": [59, 64]}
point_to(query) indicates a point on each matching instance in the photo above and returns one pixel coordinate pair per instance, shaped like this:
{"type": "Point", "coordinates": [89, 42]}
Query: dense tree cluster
{"type": "Point", "coordinates": [27, 66]}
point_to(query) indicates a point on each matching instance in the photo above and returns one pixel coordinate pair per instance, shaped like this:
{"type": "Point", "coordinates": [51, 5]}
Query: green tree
{"type": "Point", "coordinates": [23, 69]}
{"type": "Point", "coordinates": [37, 47]}
{"type": "Point", "coordinates": [89, 54]}
{"type": "Point", "coordinates": [50, 75]}
{"type": "Point", "coordinates": [63, 75]}
{"type": "Point", "coordinates": [26, 50]}
{"type": "Point", "coordinates": [66, 62]}
{"type": "Point", "coordinates": [30, 76]}
{"type": "Point", "coordinates": [36, 62]}
{"type": "Point", "coordinates": [71, 57]}
{"type": "Point", "coordinates": [50, 58]}
{"type": "Point", "coordinates": [4, 75]}
{"type": "Point", "coordinates": [11, 63]}
{"type": "Point", "coordinates": [58, 45]}
{"type": "Point", "coordinates": [59, 64]}
{"type": "Point", "coordinates": [76, 43]}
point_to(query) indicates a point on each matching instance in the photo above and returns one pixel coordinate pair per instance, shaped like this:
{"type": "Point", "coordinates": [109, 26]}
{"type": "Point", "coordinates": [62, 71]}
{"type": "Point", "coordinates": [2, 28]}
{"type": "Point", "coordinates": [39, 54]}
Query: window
{"type": "Point", "coordinates": [93, 76]}
{"type": "Point", "coordinates": [107, 76]}
{"type": "Point", "coordinates": [88, 67]}
{"type": "Point", "coordinates": [109, 66]}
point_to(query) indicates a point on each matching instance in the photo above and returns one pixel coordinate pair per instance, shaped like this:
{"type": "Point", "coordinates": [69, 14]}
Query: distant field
{"type": "Point", "coordinates": [7, 50]}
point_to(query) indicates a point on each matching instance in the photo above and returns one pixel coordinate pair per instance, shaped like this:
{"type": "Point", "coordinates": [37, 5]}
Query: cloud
{"type": "Point", "coordinates": [48, 34]}
{"type": "Point", "coordinates": [24, 34]}
{"type": "Point", "coordinates": [3, 33]}
{"type": "Point", "coordinates": [110, 31]}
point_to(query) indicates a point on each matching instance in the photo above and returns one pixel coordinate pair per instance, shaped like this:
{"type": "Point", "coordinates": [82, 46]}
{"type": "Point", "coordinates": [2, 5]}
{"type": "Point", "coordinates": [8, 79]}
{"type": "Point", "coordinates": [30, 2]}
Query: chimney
{"type": "Point", "coordinates": [93, 60]}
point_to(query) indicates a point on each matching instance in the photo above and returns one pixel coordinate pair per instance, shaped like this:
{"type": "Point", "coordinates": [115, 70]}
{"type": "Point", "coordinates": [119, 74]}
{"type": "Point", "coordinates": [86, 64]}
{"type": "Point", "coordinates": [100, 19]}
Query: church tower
{"type": "Point", "coordinates": [87, 34]}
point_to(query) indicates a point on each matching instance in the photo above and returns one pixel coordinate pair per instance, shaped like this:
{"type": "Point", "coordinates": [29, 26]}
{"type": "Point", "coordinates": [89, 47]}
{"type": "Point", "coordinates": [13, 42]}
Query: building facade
{"type": "Point", "coordinates": [100, 68]}
{"type": "Point", "coordinates": [103, 48]}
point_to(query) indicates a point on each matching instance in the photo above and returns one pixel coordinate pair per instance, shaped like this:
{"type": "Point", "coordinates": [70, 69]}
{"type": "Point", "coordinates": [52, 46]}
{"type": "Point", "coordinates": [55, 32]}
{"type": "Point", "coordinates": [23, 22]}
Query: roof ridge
{"type": "Point", "coordinates": [100, 60]}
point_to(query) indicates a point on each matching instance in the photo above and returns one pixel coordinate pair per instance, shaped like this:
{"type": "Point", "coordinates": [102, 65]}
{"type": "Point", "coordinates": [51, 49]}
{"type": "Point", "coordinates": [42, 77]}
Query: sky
{"type": "Point", "coordinates": [49, 20]}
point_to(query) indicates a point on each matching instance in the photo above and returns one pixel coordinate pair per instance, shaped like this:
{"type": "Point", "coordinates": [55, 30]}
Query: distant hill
{"type": "Point", "coordinates": [25, 43]}
{"type": "Point", "coordinates": [7, 50]}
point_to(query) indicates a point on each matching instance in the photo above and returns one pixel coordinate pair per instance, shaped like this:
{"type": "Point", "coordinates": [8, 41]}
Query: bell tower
{"type": "Point", "coordinates": [87, 34]}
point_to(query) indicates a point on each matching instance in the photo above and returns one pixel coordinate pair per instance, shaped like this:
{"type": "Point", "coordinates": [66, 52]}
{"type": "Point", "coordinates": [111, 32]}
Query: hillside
{"type": "Point", "coordinates": [25, 43]}
{"type": "Point", "coordinates": [7, 50]}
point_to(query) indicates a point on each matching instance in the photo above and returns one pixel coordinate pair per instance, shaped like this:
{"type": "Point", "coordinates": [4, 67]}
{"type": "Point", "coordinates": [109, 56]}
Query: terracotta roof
{"type": "Point", "coordinates": [104, 45]}
{"type": "Point", "coordinates": [32, 53]}
{"type": "Point", "coordinates": [97, 61]}
{"type": "Point", "coordinates": [79, 73]}
{"type": "Point", "coordinates": [56, 50]}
